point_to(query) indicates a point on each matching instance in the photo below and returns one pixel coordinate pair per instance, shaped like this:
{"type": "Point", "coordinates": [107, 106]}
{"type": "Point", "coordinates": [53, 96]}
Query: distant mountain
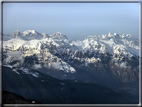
{"type": "Point", "coordinates": [32, 84]}
{"type": "Point", "coordinates": [33, 34]}
{"type": "Point", "coordinates": [29, 35]}
{"type": "Point", "coordinates": [111, 60]}
{"type": "Point", "coordinates": [6, 37]}
{"type": "Point", "coordinates": [58, 35]}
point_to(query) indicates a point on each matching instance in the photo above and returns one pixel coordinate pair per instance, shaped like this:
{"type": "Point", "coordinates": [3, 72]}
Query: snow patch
{"type": "Point", "coordinates": [16, 71]}
{"type": "Point", "coordinates": [62, 84]}
{"type": "Point", "coordinates": [35, 75]}
{"type": "Point", "coordinates": [27, 71]}
{"type": "Point", "coordinates": [8, 66]}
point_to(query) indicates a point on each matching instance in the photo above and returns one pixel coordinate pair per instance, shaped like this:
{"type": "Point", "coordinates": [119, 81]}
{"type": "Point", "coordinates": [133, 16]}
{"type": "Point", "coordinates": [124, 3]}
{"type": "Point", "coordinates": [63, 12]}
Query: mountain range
{"type": "Point", "coordinates": [111, 60]}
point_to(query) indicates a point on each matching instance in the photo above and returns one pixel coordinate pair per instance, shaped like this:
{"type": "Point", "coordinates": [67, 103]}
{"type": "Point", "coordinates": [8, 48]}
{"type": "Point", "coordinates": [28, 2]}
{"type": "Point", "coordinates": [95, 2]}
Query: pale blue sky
{"type": "Point", "coordinates": [76, 20]}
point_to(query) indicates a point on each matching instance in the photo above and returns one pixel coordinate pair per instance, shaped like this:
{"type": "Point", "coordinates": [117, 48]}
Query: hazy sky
{"type": "Point", "coordinates": [76, 20]}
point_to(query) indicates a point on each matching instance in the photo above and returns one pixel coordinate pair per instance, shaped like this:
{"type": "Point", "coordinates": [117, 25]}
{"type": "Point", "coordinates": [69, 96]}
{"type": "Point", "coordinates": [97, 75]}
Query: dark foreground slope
{"type": "Point", "coordinates": [12, 98]}
{"type": "Point", "coordinates": [49, 90]}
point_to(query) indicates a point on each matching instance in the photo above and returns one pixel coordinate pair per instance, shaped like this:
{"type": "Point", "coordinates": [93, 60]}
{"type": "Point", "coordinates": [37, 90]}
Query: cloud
{"type": "Point", "coordinates": [37, 66]}
{"type": "Point", "coordinates": [18, 56]}
{"type": "Point", "coordinates": [15, 54]}
{"type": "Point", "coordinates": [123, 64]}
{"type": "Point", "coordinates": [56, 65]}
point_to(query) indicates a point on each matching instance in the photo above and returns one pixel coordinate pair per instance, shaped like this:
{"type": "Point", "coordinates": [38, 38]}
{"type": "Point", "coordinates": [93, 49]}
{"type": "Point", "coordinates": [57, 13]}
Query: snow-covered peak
{"type": "Point", "coordinates": [16, 34]}
{"type": "Point", "coordinates": [126, 44]}
{"type": "Point", "coordinates": [127, 36]}
{"type": "Point", "coordinates": [58, 35]}
{"type": "Point", "coordinates": [114, 36]}
{"type": "Point", "coordinates": [29, 31]}
{"type": "Point", "coordinates": [110, 35]}
{"type": "Point", "coordinates": [28, 35]}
